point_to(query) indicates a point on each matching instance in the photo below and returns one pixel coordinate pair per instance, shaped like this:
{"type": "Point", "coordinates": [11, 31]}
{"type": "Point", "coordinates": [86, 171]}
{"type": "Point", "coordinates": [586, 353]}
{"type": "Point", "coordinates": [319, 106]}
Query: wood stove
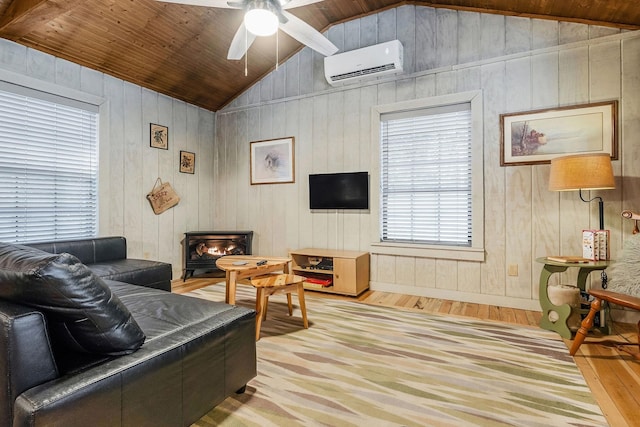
{"type": "Point", "coordinates": [203, 248]}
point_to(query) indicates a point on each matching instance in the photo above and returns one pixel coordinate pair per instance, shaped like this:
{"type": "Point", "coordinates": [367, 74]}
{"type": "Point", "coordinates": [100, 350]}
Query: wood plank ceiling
{"type": "Point", "coordinates": [181, 50]}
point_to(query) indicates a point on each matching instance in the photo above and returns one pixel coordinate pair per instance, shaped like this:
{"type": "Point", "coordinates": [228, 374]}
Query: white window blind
{"type": "Point", "coordinates": [426, 176]}
{"type": "Point", "coordinates": [48, 169]}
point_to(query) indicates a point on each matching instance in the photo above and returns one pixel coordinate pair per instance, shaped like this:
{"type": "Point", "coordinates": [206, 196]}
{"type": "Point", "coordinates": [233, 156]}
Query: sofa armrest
{"type": "Point", "coordinates": [26, 353]}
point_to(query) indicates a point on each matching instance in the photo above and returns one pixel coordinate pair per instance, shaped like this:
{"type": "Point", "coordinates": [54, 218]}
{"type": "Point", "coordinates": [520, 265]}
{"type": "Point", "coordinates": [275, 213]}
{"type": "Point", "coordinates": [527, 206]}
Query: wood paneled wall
{"type": "Point", "coordinates": [129, 167]}
{"type": "Point", "coordinates": [519, 64]}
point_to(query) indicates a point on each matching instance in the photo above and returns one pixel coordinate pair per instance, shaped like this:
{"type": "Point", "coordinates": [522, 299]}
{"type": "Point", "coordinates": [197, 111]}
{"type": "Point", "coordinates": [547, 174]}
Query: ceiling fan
{"type": "Point", "coordinates": [265, 17]}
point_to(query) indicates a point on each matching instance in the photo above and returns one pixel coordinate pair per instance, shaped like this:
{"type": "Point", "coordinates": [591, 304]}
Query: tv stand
{"type": "Point", "coordinates": [332, 271]}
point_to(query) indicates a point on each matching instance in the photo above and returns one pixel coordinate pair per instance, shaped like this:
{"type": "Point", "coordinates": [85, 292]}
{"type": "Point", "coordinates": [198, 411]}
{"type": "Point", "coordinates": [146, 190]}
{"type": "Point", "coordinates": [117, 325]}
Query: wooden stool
{"type": "Point", "coordinates": [615, 298]}
{"type": "Point", "coordinates": [271, 284]}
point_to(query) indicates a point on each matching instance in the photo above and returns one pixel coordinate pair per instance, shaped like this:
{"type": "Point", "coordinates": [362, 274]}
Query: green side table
{"type": "Point", "coordinates": [564, 310]}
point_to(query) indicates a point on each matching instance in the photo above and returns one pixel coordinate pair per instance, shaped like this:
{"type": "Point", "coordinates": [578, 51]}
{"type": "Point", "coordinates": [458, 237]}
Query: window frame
{"type": "Point", "coordinates": [475, 252]}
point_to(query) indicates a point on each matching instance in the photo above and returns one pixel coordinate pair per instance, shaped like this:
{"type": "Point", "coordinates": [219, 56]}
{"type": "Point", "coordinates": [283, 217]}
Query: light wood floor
{"type": "Point", "coordinates": [613, 376]}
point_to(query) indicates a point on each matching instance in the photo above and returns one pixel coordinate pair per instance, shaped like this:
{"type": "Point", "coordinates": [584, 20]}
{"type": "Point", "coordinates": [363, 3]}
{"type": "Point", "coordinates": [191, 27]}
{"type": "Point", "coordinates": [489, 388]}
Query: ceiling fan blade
{"type": "Point", "coordinates": [240, 43]}
{"type": "Point", "coordinates": [306, 34]}
{"type": "Point", "coordinates": [296, 3]}
{"type": "Point", "coordinates": [206, 3]}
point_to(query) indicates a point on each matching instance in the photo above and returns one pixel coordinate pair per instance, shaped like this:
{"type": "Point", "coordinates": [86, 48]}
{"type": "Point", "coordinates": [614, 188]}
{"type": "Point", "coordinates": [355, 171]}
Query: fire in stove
{"type": "Point", "coordinates": [215, 249]}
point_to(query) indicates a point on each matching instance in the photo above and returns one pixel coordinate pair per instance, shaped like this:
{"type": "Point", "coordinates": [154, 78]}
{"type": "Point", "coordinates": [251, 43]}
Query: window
{"type": "Point", "coordinates": [426, 176]}
{"type": "Point", "coordinates": [430, 175]}
{"type": "Point", "coordinates": [48, 166]}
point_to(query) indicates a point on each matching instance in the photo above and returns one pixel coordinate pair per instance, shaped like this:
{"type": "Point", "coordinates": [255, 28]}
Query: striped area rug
{"type": "Point", "coordinates": [364, 365]}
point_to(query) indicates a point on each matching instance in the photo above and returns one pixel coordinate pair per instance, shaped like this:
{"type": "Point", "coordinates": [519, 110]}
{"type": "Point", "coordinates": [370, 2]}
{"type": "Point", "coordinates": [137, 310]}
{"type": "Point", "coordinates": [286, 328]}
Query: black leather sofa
{"type": "Point", "coordinates": [107, 257]}
{"type": "Point", "coordinates": [180, 358]}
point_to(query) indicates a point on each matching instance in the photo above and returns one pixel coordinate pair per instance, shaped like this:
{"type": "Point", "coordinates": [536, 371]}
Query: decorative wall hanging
{"type": "Point", "coordinates": [162, 197]}
{"type": "Point", "coordinates": [272, 161]}
{"type": "Point", "coordinates": [187, 162]}
{"type": "Point", "coordinates": [159, 136]}
{"type": "Point", "coordinates": [536, 137]}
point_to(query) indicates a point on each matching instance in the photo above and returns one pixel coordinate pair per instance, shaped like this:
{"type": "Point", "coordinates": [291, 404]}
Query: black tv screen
{"type": "Point", "coordinates": [349, 190]}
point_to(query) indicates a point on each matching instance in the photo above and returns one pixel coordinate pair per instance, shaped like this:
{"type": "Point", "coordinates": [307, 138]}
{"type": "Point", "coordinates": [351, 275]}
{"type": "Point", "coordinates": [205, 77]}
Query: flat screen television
{"type": "Point", "coordinates": [347, 190]}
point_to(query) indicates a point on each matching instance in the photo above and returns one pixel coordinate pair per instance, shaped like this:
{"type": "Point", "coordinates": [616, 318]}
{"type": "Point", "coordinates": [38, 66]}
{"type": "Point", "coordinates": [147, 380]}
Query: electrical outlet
{"type": "Point", "coordinates": [513, 270]}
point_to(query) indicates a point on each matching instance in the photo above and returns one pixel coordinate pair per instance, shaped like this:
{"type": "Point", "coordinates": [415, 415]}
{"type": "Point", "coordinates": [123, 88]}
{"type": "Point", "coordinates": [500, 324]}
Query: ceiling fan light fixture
{"type": "Point", "coordinates": [260, 19]}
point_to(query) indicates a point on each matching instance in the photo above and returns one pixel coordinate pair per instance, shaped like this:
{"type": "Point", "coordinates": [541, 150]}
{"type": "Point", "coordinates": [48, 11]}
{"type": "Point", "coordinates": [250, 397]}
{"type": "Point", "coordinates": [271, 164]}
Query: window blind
{"type": "Point", "coordinates": [426, 176]}
{"type": "Point", "coordinates": [48, 169]}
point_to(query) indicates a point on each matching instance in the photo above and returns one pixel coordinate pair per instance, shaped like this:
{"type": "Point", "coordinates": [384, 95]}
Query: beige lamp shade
{"type": "Point", "coordinates": [581, 172]}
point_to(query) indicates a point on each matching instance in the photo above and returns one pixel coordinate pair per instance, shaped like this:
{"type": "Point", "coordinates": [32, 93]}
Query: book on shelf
{"type": "Point", "coordinates": [309, 285]}
{"type": "Point", "coordinates": [320, 282]}
{"type": "Point", "coordinates": [568, 259]}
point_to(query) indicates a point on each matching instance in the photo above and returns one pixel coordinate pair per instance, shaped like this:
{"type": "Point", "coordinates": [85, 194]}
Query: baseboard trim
{"type": "Point", "coordinates": [498, 300]}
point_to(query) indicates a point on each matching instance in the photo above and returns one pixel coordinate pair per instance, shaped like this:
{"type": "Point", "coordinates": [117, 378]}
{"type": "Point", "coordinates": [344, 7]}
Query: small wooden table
{"type": "Point", "coordinates": [238, 267]}
{"type": "Point", "coordinates": [272, 284]}
{"type": "Point", "coordinates": [564, 310]}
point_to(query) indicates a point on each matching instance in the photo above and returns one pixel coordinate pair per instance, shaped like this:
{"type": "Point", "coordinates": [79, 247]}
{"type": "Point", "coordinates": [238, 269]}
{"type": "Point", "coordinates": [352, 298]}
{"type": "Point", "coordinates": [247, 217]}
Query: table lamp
{"type": "Point", "coordinates": [583, 172]}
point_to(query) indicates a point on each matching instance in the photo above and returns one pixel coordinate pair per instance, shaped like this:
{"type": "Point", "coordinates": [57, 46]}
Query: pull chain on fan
{"type": "Point", "coordinates": [246, 49]}
{"type": "Point", "coordinates": [246, 56]}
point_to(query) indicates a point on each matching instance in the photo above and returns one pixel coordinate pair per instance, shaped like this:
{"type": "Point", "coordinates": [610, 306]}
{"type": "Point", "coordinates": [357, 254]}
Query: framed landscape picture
{"type": "Point", "coordinates": [272, 161]}
{"type": "Point", "coordinates": [536, 137]}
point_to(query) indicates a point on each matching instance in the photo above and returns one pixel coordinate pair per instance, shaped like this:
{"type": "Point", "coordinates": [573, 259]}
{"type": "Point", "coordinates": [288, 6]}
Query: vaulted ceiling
{"type": "Point", "coordinates": [181, 50]}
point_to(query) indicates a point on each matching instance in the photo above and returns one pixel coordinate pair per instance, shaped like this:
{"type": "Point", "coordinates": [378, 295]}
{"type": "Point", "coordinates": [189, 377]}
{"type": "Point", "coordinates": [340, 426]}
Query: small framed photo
{"type": "Point", "coordinates": [187, 162]}
{"type": "Point", "coordinates": [272, 161]}
{"type": "Point", "coordinates": [159, 136]}
{"type": "Point", "coordinates": [536, 137]}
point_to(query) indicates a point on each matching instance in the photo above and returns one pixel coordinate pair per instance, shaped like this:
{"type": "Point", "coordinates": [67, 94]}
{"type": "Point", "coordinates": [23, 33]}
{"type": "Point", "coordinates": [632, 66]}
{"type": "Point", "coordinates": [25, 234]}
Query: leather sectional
{"type": "Point", "coordinates": [78, 350]}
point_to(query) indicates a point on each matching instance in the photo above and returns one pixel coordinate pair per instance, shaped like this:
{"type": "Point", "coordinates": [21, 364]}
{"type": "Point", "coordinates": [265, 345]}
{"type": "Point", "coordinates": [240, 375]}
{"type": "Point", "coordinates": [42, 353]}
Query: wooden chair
{"type": "Point", "coordinates": [272, 284]}
{"type": "Point", "coordinates": [612, 297]}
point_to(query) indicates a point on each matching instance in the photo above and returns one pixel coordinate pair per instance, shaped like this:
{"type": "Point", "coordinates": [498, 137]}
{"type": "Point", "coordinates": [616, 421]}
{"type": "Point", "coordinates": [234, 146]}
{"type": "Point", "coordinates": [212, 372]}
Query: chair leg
{"type": "Point", "coordinates": [261, 305]}
{"type": "Point", "coordinates": [303, 306]}
{"type": "Point", "coordinates": [289, 304]}
{"type": "Point", "coordinates": [586, 324]}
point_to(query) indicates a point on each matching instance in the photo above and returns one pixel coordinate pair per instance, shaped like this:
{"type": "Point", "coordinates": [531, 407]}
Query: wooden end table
{"type": "Point", "coordinates": [564, 311]}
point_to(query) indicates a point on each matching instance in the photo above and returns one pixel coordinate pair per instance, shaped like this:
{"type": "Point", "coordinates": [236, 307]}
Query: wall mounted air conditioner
{"type": "Point", "coordinates": [372, 61]}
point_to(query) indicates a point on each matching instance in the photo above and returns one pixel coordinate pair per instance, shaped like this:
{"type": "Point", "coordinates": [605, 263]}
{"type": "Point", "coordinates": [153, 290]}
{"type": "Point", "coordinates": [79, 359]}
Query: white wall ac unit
{"type": "Point", "coordinates": [372, 61]}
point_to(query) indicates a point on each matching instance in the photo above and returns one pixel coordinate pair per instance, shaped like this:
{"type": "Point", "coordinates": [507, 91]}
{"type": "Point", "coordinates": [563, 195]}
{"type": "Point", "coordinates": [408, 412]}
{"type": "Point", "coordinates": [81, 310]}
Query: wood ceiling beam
{"type": "Point", "coordinates": [445, 5]}
{"type": "Point", "coordinates": [504, 12]}
{"type": "Point", "coordinates": [22, 16]}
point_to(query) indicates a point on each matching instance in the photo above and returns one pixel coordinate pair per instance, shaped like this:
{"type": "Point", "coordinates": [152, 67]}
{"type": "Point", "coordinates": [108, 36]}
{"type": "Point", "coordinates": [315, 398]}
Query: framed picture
{"type": "Point", "coordinates": [536, 137]}
{"type": "Point", "coordinates": [272, 161]}
{"type": "Point", "coordinates": [159, 136]}
{"type": "Point", "coordinates": [187, 162]}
